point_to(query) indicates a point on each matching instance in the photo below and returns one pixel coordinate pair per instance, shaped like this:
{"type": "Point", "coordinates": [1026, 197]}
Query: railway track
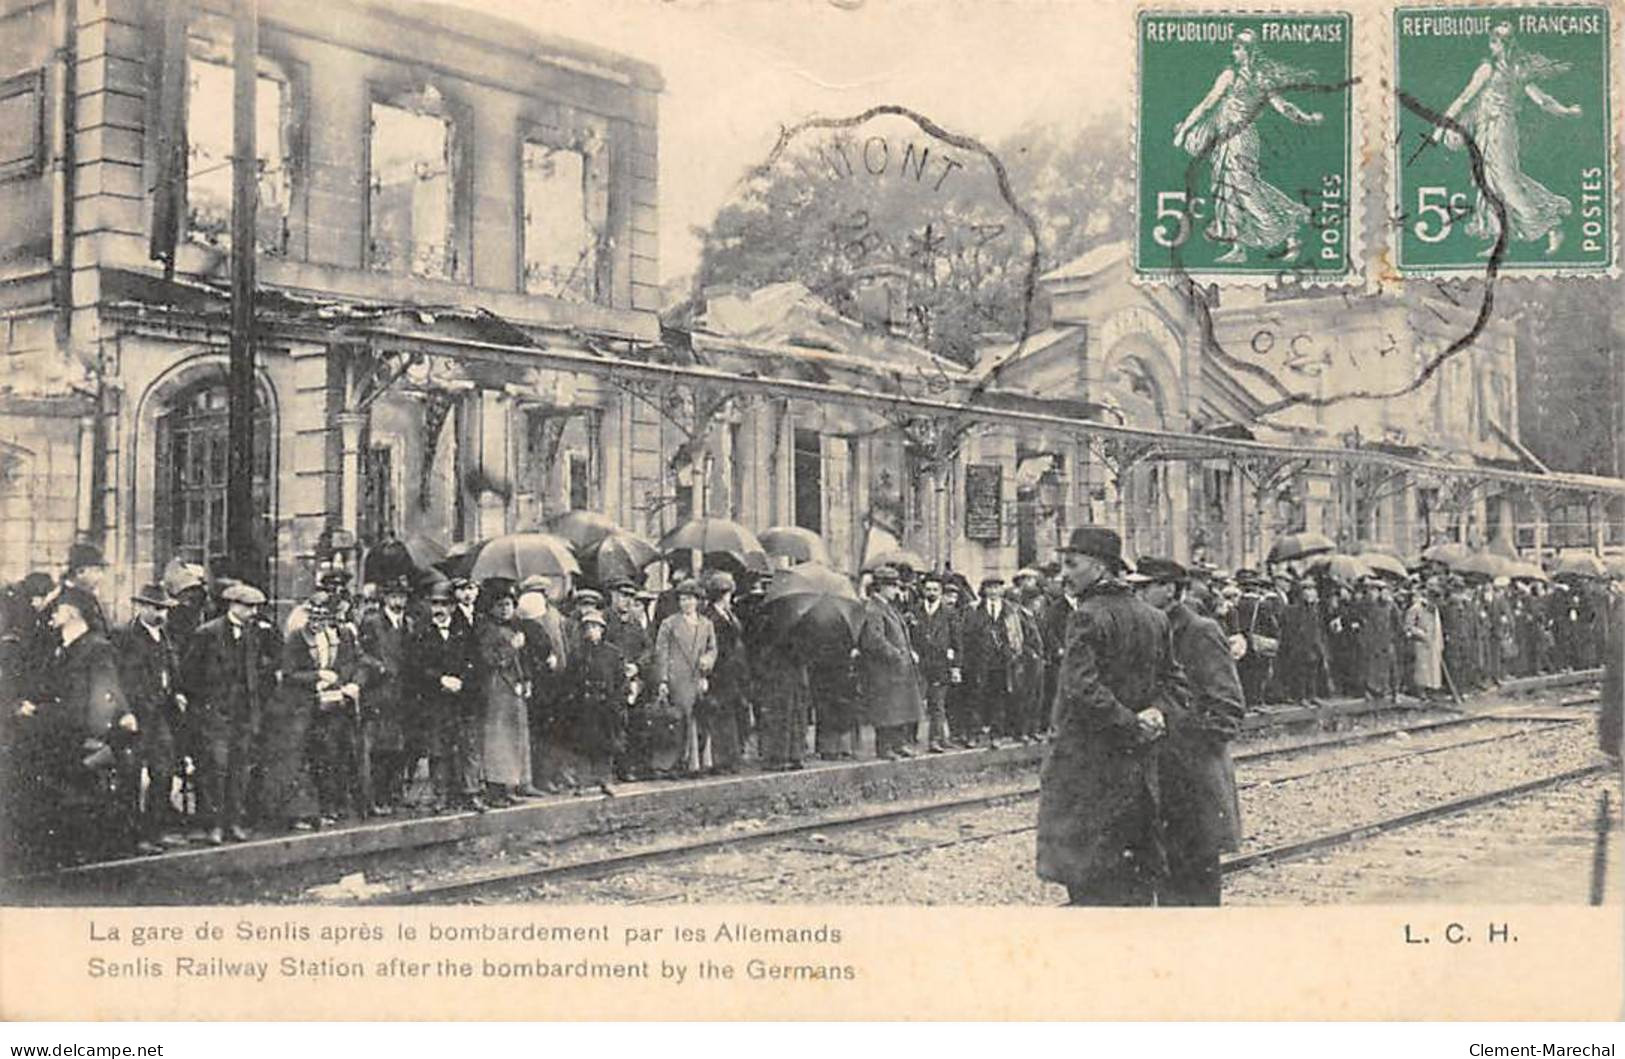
{"type": "Point", "coordinates": [535, 873]}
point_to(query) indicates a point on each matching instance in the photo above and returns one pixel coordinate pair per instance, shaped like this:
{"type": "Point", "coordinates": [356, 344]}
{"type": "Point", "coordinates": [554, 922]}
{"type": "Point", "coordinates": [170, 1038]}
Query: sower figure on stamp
{"type": "Point", "coordinates": [1490, 102]}
{"type": "Point", "coordinates": [1099, 826]}
{"type": "Point", "coordinates": [1248, 211]}
{"type": "Point", "coordinates": [442, 673]}
{"type": "Point", "coordinates": [1200, 810]}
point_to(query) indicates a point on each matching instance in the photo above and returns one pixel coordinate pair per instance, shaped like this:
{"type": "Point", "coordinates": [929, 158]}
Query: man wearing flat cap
{"type": "Point", "coordinates": [230, 673]}
{"type": "Point", "coordinates": [1200, 810]}
{"type": "Point", "coordinates": [149, 671]}
{"type": "Point", "coordinates": [1099, 827]}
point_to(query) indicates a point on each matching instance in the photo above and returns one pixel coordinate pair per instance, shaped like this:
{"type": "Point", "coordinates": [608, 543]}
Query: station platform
{"type": "Point", "coordinates": [654, 805]}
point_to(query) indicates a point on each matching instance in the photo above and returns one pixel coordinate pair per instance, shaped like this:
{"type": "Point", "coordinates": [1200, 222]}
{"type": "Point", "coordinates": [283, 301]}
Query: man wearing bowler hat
{"type": "Point", "coordinates": [1099, 829]}
{"type": "Point", "coordinates": [80, 584]}
{"type": "Point", "coordinates": [889, 668]}
{"type": "Point", "coordinates": [1196, 779]}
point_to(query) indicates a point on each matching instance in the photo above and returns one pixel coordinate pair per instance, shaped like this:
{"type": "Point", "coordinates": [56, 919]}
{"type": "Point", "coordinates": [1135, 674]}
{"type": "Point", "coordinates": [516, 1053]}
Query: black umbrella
{"type": "Point", "coordinates": [813, 604]}
{"type": "Point", "coordinates": [619, 555]}
{"type": "Point", "coordinates": [721, 542]}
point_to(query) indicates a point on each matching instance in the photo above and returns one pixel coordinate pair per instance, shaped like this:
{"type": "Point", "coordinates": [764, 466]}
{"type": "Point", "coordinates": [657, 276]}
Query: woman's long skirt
{"type": "Point", "coordinates": [507, 736]}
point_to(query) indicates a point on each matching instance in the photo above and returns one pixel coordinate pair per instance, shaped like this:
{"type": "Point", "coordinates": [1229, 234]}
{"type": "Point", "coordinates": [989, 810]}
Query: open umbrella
{"type": "Point", "coordinates": [1579, 564]}
{"type": "Point", "coordinates": [723, 544]}
{"type": "Point", "coordinates": [619, 555]}
{"type": "Point", "coordinates": [1384, 565]}
{"type": "Point", "coordinates": [1525, 570]}
{"type": "Point", "coordinates": [901, 558]}
{"type": "Point", "coordinates": [1345, 568]}
{"type": "Point", "coordinates": [1448, 554]}
{"type": "Point", "coordinates": [389, 561]}
{"type": "Point", "coordinates": [582, 529]}
{"type": "Point", "coordinates": [1485, 564]}
{"type": "Point", "coordinates": [795, 543]}
{"type": "Point", "coordinates": [514, 555]}
{"type": "Point", "coordinates": [812, 603]}
{"type": "Point", "coordinates": [1299, 546]}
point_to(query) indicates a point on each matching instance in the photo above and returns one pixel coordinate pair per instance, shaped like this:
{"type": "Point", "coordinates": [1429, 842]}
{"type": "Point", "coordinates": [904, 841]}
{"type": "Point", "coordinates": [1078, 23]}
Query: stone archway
{"type": "Point", "coordinates": [186, 376]}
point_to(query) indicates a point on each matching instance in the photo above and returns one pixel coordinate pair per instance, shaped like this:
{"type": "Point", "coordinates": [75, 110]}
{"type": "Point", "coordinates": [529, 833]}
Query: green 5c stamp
{"type": "Point", "coordinates": [1502, 152]}
{"type": "Point", "coordinates": [1244, 145]}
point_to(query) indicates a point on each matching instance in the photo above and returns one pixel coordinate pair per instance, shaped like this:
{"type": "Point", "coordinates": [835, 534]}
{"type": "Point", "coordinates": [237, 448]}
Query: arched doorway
{"type": "Point", "coordinates": [191, 475]}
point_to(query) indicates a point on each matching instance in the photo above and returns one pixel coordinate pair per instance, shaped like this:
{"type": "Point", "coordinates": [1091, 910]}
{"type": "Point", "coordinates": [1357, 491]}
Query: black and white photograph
{"type": "Point", "coordinates": [674, 454]}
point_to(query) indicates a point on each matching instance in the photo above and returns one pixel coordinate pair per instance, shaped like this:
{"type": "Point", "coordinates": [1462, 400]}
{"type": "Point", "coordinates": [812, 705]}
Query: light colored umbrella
{"type": "Point", "coordinates": [1524, 570]}
{"type": "Point", "coordinates": [901, 558]}
{"type": "Point", "coordinates": [1299, 546]}
{"type": "Point", "coordinates": [1579, 564]}
{"type": "Point", "coordinates": [582, 529]}
{"type": "Point", "coordinates": [795, 543]}
{"type": "Point", "coordinates": [1447, 554]}
{"type": "Point", "coordinates": [1384, 565]}
{"type": "Point", "coordinates": [1485, 564]}
{"type": "Point", "coordinates": [1345, 568]}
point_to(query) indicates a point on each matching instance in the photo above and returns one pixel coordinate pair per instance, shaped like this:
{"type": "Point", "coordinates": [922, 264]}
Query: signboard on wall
{"type": "Point", "coordinates": [984, 501]}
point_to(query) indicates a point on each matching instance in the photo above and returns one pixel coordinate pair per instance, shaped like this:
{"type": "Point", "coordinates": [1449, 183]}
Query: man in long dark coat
{"type": "Point", "coordinates": [230, 667]}
{"type": "Point", "coordinates": [149, 671]}
{"type": "Point", "coordinates": [78, 734]}
{"type": "Point", "coordinates": [993, 646]}
{"type": "Point", "coordinates": [442, 676]}
{"type": "Point", "coordinates": [1200, 810]}
{"type": "Point", "coordinates": [934, 627]}
{"type": "Point", "coordinates": [1099, 827]}
{"type": "Point", "coordinates": [1256, 618]}
{"type": "Point", "coordinates": [1305, 659]}
{"type": "Point", "coordinates": [384, 636]}
{"type": "Point", "coordinates": [889, 670]}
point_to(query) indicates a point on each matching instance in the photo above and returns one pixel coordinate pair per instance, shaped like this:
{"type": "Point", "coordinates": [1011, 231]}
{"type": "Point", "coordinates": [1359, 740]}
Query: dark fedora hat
{"type": "Point", "coordinates": [154, 595]}
{"type": "Point", "coordinates": [1157, 569]}
{"type": "Point", "coordinates": [1097, 542]}
{"type": "Point", "coordinates": [82, 555]}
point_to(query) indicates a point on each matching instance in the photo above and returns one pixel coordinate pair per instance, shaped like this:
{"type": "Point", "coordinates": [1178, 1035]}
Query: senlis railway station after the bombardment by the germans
{"type": "Point", "coordinates": [373, 513]}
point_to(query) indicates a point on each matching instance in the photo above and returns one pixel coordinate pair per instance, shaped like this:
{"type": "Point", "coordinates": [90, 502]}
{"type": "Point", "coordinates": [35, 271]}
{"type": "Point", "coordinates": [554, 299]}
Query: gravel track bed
{"type": "Point", "coordinates": [1534, 849]}
{"type": "Point", "coordinates": [820, 869]}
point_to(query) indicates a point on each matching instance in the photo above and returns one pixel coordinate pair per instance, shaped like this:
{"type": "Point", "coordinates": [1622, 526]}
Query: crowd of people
{"type": "Point", "coordinates": [1307, 637]}
{"type": "Point", "coordinates": [203, 720]}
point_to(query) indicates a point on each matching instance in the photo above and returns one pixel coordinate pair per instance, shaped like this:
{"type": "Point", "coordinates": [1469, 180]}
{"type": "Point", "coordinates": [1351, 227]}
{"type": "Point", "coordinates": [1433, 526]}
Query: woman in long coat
{"type": "Point", "coordinates": [685, 652]}
{"type": "Point", "coordinates": [724, 714]}
{"type": "Point", "coordinates": [505, 684]}
{"type": "Point", "coordinates": [1426, 635]}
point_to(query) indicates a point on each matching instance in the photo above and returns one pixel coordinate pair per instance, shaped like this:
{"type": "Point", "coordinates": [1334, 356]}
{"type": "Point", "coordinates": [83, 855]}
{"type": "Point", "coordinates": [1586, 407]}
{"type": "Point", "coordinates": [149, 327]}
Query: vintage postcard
{"type": "Point", "coordinates": [835, 510]}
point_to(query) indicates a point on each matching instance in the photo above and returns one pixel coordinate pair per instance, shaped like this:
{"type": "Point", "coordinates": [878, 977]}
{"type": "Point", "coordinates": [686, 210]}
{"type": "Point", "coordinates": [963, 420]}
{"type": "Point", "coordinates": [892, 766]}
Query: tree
{"type": "Point", "coordinates": [838, 210]}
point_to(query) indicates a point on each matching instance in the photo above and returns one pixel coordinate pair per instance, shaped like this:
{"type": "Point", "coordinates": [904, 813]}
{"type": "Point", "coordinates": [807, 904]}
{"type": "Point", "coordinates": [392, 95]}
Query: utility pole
{"type": "Point", "coordinates": [241, 385]}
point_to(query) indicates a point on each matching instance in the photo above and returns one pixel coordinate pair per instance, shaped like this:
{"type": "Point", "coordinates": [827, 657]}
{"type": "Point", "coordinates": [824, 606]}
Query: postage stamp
{"type": "Point", "coordinates": [1501, 139]}
{"type": "Point", "coordinates": [1244, 146]}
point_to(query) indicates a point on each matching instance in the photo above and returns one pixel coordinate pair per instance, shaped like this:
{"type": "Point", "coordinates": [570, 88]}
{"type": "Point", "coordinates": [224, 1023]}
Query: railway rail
{"type": "Point", "coordinates": [535, 873]}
